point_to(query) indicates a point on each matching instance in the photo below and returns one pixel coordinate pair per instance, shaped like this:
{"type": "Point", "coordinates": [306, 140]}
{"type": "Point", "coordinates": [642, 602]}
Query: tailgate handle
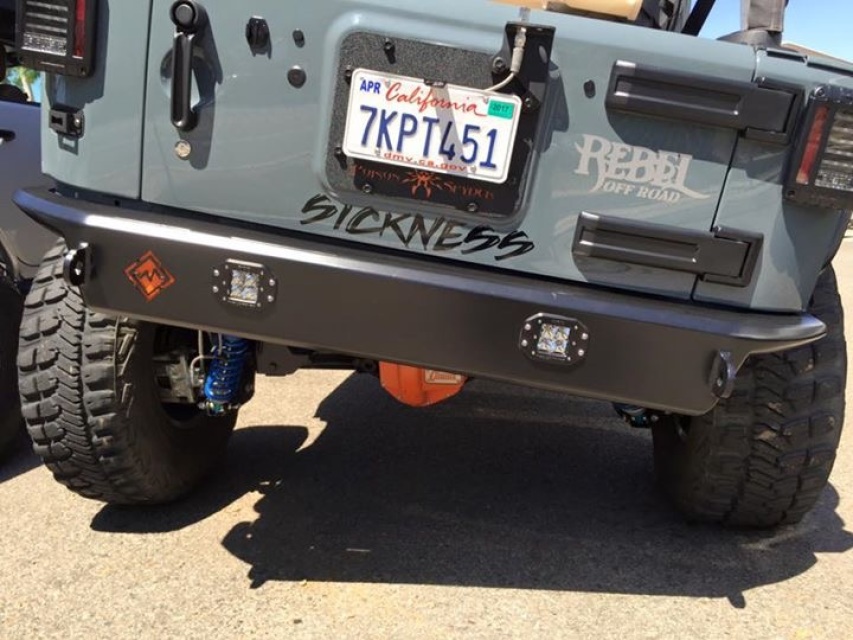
{"type": "Point", "coordinates": [189, 18]}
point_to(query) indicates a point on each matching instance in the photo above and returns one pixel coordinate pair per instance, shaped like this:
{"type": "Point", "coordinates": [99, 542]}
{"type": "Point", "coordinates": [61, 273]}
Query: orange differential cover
{"type": "Point", "coordinates": [418, 387]}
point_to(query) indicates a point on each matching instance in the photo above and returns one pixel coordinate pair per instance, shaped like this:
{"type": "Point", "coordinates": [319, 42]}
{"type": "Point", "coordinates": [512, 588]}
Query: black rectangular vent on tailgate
{"type": "Point", "coordinates": [722, 256]}
{"type": "Point", "coordinates": [57, 36]}
{"type": "Point", "coordinates": [762, 110]}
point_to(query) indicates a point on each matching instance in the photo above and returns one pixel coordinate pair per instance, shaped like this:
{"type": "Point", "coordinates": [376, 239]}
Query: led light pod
{"type": "Point", "coordinates": [554, 339]}
{"type": "Point", "coordinates": [244, 284]}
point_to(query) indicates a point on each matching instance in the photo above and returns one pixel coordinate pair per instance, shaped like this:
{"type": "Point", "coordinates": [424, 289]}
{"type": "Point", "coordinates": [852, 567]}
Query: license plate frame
{"type": "Point", "coordinates": [462, 132]}
{"type": "Point", "coordinates": [385, 187]}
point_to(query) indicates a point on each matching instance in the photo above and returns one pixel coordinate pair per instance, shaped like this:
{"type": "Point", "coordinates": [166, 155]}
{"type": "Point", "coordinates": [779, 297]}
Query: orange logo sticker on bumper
{"type": "Point", "coordinates": [149, 276]}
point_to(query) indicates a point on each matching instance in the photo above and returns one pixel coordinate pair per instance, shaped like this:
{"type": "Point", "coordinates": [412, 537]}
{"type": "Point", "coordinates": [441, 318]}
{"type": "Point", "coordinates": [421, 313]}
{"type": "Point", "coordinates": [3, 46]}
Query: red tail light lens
{"type": "Point", "coordinates": [822, 163]}
{"type": "Point", "coordinates": [80, 29]}
{"type": "Point", "coordinates": [813, 143]}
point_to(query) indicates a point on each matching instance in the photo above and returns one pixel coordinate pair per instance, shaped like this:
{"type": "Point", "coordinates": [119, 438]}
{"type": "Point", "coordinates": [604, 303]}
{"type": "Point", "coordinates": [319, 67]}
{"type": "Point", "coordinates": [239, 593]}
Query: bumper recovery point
{"type": "Point", "coordinates": [274, 287]}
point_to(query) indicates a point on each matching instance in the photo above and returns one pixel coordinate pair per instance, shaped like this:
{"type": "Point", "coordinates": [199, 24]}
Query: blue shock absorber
{"type": "Point", "coordinates": [222, 385]}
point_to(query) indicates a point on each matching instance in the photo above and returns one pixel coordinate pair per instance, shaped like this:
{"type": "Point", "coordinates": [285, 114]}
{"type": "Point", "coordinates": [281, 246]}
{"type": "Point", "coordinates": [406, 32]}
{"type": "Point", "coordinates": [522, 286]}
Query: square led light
{"type": "Point", "coordinates": [244, 284]}
{"type": "Point", "coordinates": [245, 287]}
{"type": "Point", "coordinates": [554, 340]}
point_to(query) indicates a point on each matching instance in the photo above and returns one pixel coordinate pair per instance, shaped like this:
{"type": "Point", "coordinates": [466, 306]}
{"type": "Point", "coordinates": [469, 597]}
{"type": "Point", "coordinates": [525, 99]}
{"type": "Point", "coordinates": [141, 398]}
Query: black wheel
{"type": "Point", "coordinates": [91, 400]}
{"type": "Point", "coordinates": [10, 319]}
{"type": "Point", "coordinates": [762, 457]}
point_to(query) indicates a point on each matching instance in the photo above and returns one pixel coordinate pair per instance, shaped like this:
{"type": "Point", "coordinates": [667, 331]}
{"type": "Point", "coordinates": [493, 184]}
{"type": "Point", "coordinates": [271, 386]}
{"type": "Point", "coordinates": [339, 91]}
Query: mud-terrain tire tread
{"type": "Point", "coordinates": [11, 423]}
{"type": "Point", "coordinates": [90, 405]}
{"type": "Point", "coordinates": [763, 457]}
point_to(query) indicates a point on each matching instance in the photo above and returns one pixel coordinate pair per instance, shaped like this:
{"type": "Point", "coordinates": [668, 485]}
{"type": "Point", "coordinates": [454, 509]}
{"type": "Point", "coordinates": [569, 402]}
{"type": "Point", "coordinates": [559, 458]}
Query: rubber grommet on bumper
{"type": "Point", "coordinates": [387, 306]}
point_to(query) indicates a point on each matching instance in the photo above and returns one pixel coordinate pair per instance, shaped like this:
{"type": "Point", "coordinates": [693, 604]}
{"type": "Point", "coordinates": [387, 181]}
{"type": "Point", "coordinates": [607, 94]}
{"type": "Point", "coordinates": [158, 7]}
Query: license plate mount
{"type": "Point", "coordinates": [360, 180]}
{"type": "Point", "coordinates": [428, 127]}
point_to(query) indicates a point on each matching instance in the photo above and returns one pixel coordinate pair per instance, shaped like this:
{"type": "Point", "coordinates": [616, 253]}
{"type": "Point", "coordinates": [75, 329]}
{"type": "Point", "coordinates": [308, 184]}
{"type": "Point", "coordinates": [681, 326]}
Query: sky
{"type": "Point", "coordinates": [825, 25]}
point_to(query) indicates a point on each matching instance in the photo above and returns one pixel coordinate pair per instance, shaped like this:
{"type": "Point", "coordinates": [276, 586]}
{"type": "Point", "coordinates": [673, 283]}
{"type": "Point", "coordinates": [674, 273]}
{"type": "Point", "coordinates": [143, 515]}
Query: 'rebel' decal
{"type": "Point", "coordinates": [635, 171]}
{"type": "Point", "coordinates": [435, 235]}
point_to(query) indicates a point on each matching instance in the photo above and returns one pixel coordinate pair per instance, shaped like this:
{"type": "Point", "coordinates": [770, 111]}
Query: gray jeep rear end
{"type": "Point", "coordinates": [653, 128]}
{"type": "Point", "coordinates": [654, 163]}
{"type": "Point", "coordinates": [433, 194]}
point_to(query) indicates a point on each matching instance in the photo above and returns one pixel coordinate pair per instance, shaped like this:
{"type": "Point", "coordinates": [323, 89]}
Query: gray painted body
{"type": "Point", "coordinates": [259, 152]}
{"type": "Point", "coordinates": [22, 241]}
{"type": "Point", "coordinates": [108, 156]}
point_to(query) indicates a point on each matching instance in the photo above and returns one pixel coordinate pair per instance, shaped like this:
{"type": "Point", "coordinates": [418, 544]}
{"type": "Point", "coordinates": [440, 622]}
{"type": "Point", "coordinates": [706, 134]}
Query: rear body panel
{"type": "Point", "coordinates": [260, 148]}
{"type": "Point", "coordinates": [108, 157]}
{"type": "Point", "coordinates": [260, 152]}
{"type": "Point", "coordinates": [753, 201]}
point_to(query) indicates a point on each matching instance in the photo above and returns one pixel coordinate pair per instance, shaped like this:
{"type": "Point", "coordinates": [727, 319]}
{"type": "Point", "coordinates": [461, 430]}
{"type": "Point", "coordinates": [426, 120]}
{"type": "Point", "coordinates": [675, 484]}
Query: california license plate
{"type": "Point", "coordinates": [445, 128]}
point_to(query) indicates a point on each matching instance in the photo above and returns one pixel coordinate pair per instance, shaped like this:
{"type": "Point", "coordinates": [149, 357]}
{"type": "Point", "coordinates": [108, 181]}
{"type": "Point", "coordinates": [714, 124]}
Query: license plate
{"type": "Point", "coordinates": [446, 129]}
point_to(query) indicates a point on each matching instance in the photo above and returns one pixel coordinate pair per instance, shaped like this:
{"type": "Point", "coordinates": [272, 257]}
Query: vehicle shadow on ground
{"type": "Point", "coordinates": [19, 460]}
{"type": "Point", "coordinates": [499, 487]}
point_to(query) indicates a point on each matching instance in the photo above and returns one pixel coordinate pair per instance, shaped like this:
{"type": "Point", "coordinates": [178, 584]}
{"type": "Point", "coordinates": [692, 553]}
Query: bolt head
{"type": "Point", "coordinates": [215, 289]}
{"type": "Point", "coordinates": [183, 149]}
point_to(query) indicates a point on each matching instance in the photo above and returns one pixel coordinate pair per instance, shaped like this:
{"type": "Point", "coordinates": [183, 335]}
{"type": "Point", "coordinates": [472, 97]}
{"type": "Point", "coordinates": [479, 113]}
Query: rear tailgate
{"type": "Point", "coordinates": [261, 149]}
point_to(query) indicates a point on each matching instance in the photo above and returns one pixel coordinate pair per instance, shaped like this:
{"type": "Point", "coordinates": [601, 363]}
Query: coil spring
{"type": "Point", "coordinates": [222, 384]}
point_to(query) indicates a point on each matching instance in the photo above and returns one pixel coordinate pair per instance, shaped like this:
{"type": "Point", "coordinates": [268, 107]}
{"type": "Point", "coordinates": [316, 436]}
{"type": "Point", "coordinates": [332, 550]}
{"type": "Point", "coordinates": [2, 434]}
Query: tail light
{"type": "Point", "coordinates": [57, 36]}
{"type": "Point", "coordinates": [822, 166]}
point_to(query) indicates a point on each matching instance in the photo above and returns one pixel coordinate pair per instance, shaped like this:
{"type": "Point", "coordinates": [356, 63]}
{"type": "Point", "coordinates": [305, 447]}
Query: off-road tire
{"type": "Point", "coordinates": [762, 457]}
{"type": "Point", "coordinates": [91, 404]}
{"type": "Point", "coordinates": [11, 304]}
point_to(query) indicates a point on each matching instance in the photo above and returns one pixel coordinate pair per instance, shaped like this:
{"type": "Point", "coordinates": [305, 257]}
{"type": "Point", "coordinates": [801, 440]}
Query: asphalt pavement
{"type": "Point", "coordinates": [503, 513]}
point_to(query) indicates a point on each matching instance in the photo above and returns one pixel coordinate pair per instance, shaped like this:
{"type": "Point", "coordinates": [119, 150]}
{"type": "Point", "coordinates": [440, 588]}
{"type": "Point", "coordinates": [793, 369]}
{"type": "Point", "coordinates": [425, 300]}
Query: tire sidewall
{"type": "Point", "coordinates": [163, 443]}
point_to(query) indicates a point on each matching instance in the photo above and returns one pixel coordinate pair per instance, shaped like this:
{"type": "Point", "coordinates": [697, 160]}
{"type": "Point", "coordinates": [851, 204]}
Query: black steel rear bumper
{"type": "Point", "coordinates": [352, 300]}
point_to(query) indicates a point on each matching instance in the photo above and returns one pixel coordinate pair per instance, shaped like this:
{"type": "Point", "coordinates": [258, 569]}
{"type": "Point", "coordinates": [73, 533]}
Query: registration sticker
{"type": "Point", "coordinates": [442, 128]}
